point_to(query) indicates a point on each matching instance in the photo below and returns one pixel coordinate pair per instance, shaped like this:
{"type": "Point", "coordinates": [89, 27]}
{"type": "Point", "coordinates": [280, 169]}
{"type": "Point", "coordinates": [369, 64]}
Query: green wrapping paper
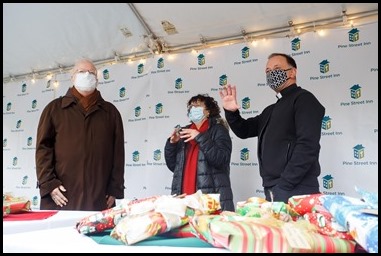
{"type": "Point", "coordinates": [105, 238]}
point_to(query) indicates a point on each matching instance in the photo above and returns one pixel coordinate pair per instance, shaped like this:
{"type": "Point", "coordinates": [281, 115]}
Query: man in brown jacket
{"type": "Point", "coordinates": [80, 147]}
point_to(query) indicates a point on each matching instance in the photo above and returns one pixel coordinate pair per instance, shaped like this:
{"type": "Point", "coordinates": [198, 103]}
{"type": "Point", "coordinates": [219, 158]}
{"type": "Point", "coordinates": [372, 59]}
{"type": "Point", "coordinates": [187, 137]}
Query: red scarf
{"type": "Point", "coordinates": [190, 168]}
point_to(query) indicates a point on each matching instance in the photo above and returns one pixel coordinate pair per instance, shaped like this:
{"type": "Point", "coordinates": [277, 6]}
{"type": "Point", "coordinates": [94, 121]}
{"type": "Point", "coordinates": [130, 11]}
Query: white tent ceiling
{"type": "Point", "coordinates": [45, 37]}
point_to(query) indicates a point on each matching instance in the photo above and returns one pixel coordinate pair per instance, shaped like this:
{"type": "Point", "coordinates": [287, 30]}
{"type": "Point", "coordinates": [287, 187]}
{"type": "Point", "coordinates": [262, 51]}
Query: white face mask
{"type": "Point", "coordinates": [196, 114]}
{"type": "Point", "coordinates": [85, 81]}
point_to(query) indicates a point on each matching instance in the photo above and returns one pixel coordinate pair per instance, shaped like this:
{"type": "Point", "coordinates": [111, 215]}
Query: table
{"type": "Point", "coordinates": [61, 219]}
{"type": "Point", "coordinates": [68, 240]}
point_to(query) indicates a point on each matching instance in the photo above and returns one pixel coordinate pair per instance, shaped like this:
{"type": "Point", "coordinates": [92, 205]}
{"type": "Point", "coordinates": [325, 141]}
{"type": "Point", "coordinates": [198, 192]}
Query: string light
{"type": "Point", "coordinates": [33, 78]}
{"type": "Point", "coordinates": [157, 46]}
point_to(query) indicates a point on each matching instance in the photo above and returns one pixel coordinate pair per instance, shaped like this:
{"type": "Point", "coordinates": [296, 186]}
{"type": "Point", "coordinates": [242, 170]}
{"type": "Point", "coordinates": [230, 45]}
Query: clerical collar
{"type": "Point", "coordinates": [278, 95]}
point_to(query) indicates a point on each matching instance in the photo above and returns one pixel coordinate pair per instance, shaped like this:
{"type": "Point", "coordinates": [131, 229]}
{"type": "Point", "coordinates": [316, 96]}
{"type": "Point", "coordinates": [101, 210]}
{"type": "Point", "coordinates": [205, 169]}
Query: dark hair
{"type": "Point", "coordinates": [289, 59]}
{"type": "Point", "coordinates": [210, 104]}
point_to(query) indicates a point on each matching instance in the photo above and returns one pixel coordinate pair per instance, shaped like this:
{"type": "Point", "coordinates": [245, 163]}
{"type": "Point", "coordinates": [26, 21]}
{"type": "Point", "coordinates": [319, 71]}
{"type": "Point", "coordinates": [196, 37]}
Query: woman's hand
{"type": "Point", "coordinates": [188, 134]}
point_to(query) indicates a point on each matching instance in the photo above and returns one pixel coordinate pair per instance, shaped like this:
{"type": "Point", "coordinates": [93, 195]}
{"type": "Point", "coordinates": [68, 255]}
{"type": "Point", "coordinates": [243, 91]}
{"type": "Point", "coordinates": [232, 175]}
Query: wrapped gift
{"type": "Point", "coordinates": [349, 213]}
{"type": "Point", "coordinates": [200, 227]}
{"type": "Point", "coordinates": [136, 228]}
{"type": "Point", "coordinates": [327, 225]}
{"type": "Point", "coordinates": [303, 204]}
{"type": "Point", "coordinates": [259, 207]}
{"type": "Point", "coordinates": [12, 204]}
{"type": "Point", "coordinates": [265, 235]}
{"type": "Point", "coordinates": [254, 235]}
{"type": "Point", "coordinates": [168, 213]}
{"type": "Point", "coordinates": [107, 219]}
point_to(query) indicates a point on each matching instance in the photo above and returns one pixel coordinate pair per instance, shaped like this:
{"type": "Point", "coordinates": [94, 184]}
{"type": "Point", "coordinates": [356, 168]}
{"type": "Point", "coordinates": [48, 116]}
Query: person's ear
{"type": "Point", "coordinates": [293, 73]}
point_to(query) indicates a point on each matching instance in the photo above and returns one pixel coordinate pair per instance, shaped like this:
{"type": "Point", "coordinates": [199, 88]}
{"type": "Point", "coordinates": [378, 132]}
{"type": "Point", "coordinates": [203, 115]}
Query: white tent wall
{"type": "Point", "coordinates": [151, 95]}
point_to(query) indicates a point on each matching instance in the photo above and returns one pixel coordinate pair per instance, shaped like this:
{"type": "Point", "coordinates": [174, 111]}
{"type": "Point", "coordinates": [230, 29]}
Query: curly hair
{"type": "Point", "coordinates": [211, 105]}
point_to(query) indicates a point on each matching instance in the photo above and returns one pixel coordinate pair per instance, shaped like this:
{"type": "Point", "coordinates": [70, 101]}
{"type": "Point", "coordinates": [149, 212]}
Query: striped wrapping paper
{"type": "Point", "coordinates": [266, 235]}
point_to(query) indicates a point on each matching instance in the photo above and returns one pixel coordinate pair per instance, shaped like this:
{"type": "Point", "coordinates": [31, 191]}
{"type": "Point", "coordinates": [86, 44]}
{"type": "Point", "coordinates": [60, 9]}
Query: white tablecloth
{"type": "Point", "coordinates": [60, 219]}
{"type": "Point", "coordinates": [68, 240]}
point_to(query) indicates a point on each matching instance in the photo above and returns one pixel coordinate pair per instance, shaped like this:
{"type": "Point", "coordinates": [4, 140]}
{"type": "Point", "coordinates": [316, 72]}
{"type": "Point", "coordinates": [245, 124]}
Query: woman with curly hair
{"type": "Point", "coordinates": [199, 153]}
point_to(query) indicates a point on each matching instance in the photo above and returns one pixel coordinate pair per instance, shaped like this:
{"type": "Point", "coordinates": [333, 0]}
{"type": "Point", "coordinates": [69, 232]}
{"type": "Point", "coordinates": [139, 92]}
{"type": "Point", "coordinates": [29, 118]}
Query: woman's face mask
{"type": "Point", "coordinates": [85, 81]}
{"type": "Point", "coordinates": [196, 114]}
{"type": "Point", "coordinates": [277, 77]}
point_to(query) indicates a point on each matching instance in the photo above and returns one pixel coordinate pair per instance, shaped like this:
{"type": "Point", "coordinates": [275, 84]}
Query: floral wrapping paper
{"type": "Point", "coordinates": [137, 220]}
{"type": "Point", "coordinates": [167, 214]}
{"type": "Point", "coordinates": [311, 209]}
{"type": "Point", "coordinates": [303, 204]}
{"type": "Point", "coordinates": [136, 228]}
{"type": "Point", "coordinates": [259, 207]}
{"type": "Point", "coordinates": [107, 219]}
{"type": "Point", "coordinates": [327, 225]}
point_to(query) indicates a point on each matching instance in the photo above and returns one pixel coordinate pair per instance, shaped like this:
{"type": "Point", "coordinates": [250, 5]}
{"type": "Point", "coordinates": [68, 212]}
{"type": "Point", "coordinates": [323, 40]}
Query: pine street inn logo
{"type": "Point", "coordinates": [135, 160]}
{"type": "Point", "coordinates": [8, 109]}
{"type": "Point", "coordinates": [24, 183]}
{"type": "Point", "coordinates": [137, 115]}
{"type": "Point", "coordinates": [245, 57]}
{"type": "Point", "coordinates": [222, 81]}
{"type": "Point", "coordinates": [359, 154]}
{"type": "Point", "coordinates": [327, 125]}
{"type": "Point", "coordinates": [324, 68]}
{"type": "Point", "coordinates": [246, 106]}
{"type": "Point", "coordinates": [178, 87]}
{"type": "Point", "coordinates": [24, 88]}
{"type": "Point", "coordinates": [5, 145]}
{"type": "Point", "coordinates": [15, 164]}
{"type": "Point", "coordinates": [296, 45]}
{"type": "Point", "coordinates": [35, 201]}
{"type": "Point", "coordinates": [201, 61]}
{"type": "Point", "coordinates": [160, 67]}
{"type": "Point", "coordinates": [157, 156]}
{"type": "Point", "coordinates": [29, 144]}
{"type": "Point", "coordinates": [354, 40]}
{"type": "Point", "coordinates": [140, 71]}
{"type": "Point", "coordinates": [122, 95]}
{"type": "Point", "coordinates": [135, 156]}
{"type": "Point", "coordinates": [244, 156]}
{"type": "Point", "coordinates": [355, 95]}
{"type": "Point", "coordinates": [327, 182]}
{"type": "Point", "coordinates": [328, 185]}
{"type": "Point", "coordinates": [159, 112]}
{"type": "Point", "coordinates": [106, 77]}
{"type": "Point", "coordinates": [48, 86]}
{"type": "Point", "coordinates": [33, 106]}
{"type": "Point", "coordinates": [18, 127]}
